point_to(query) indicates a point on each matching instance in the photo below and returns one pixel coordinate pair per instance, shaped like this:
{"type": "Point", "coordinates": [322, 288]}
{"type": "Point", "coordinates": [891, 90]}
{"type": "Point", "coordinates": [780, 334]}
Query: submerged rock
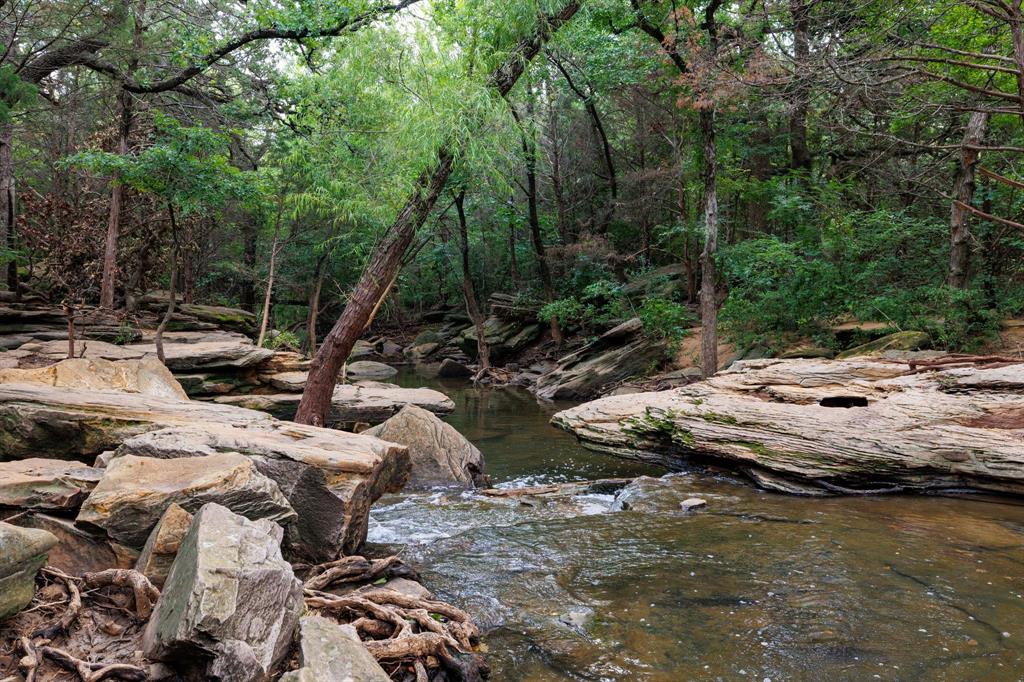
{"type": "Point", "coordinates": [135, 491]}
{"type": "Point", "coordinates": [835, 426]}
{"type": "Point", "coordinates": [230, 603]}
{"type": "Point", "coordinates": [329, 651]}
{"type": "Point", "coordinates": [22, 553]}
{"type": "Point", "coordinates": [440, 454]}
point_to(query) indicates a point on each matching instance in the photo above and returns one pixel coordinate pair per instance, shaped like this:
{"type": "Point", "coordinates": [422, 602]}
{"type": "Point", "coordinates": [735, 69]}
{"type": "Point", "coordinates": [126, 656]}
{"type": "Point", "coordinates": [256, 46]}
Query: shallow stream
{"type": "Point", "coordinates": [754, 586]}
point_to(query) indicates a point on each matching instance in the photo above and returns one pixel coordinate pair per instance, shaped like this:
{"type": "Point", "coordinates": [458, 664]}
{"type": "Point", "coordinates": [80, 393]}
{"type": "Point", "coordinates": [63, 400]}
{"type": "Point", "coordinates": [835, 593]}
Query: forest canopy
{"type": "Point", "coordinates": [788, 164]}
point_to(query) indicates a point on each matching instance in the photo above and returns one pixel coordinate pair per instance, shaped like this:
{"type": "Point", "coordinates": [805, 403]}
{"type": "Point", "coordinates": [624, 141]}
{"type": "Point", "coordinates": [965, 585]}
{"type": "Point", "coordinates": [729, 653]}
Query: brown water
{"type": "Point", "coordinates": [755, 586]}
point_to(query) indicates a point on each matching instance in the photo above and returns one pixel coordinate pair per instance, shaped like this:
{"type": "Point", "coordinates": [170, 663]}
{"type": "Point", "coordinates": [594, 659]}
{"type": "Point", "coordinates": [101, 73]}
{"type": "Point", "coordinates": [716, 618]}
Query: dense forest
{"type": "Point", "coordinates": [800, 163]}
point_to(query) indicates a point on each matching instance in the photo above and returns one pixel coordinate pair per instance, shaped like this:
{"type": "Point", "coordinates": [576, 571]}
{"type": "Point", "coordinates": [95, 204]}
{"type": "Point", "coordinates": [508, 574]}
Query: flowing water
{"type": "Point", "coordinates": [754, 586]}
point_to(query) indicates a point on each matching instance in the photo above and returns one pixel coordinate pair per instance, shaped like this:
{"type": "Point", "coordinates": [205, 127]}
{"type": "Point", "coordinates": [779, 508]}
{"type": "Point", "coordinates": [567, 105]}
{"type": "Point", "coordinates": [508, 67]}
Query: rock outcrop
{"type": "Point", "coordinates": [230, 603]}
{"type": "Point", "coordinates": [820, 426]}
{"type": "Point", "coordinates": [37, 483]}
{"type": "Point", "coordinates": [441, 456]}
{"type": "Point", "coordinates": [329, 478]}
{"type": "Point", "coordinates": [616, 355]}
{"type": "Point", "coordinates": [22, 553]}
{"type": "Point", "coordinates": [135, 492]}
{"type": "Point", "coordinates": [329, 651]}
{"type": "Point", "coordinates": [368, 369]}
{"type": "Point", "coordinates": [163, 543]}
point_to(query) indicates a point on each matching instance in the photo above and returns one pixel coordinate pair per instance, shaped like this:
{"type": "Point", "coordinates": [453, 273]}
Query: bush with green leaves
{"type": "Point", "coordinates": [664, 319]}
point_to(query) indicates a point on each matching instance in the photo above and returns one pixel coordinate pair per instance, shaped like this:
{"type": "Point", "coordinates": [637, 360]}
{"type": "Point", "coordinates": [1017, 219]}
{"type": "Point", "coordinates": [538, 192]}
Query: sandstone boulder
{"type": "Point", "coordinates": [329, 651]}
{"type": "Point", "coordinates": [37, 483]}
{"type": "Point", "coordinates": [22, 553]}
{"type": "Point", "coordinates": [163, 543]}
{"type": "Point", "coordinates": [230, 603]}
{"type": "Point", "coordinates": [147, 376]}
{"type": "Point", "coordinates": [900, 341]}
{"type": "Point", "coordinates": [440, 455]}
{"type": "Point", "coordinates": [135, 491]}
{"type": "Point", "coordinates": [450, 369]}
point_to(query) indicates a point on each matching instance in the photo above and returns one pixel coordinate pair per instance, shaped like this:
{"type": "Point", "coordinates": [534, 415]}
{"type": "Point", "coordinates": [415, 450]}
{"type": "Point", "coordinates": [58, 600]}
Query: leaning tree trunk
{"type": "Point", "coordinates": [963, 195]}
{"type": "Point", "coordinates": [268, 295]}
{"type": "Point", "coordinates": [468, 291]}
{"type": "Point", "coordinates": [314, 301]}
{"type": "Point", "coordinates": [386, 260]}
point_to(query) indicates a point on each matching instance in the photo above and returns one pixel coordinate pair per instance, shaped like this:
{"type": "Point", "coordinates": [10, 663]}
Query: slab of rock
{"type": "Point", "coordinates": [77, 551]}
{"type": "Point", "coordinates": [163, 543]}
{"type": "Point", "coordinates": [146, 376]}
{"type": "Point", "coordinates": [900, 341]}
{"type": "Point", "coordinates": [329, 486]}
{"type": "Point", "coordinates": [362, 350]}
{"type": "Point", "coordinates": [191, 357]}
{"type": "Point", "coordinates": [365, 401]}
{"type": "Point", "coordinates": [440, 455]}
{"type": "Point", "coordinates": [329, 651]}
{"type": "Point", "coordinates": [225, 318]}
{"type": "Point", "coordinates": [368, 369]}
{"type": "Point", "coordinates": [135, 491]}
{"type": "Point", "coordinates": [22, 553]}
{"type": "Point", "coordinates": [833, 426]}
{"type": "Point", "coordinates": [37, 483]}
{"type": "Point", "coordinates": [505, 338]}
{"type": "Point", "coordinates": [230, 603]}
{"type": "Point", "coordinates": [616, 355]}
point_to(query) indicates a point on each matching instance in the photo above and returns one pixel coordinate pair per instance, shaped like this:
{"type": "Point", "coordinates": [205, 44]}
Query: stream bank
{"type": "Point", "coordinates": [755, 585]}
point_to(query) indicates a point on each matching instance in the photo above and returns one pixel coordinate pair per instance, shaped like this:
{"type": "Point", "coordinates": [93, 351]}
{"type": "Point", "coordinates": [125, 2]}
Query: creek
{"type": "Point", "coordinates": [754, 586]}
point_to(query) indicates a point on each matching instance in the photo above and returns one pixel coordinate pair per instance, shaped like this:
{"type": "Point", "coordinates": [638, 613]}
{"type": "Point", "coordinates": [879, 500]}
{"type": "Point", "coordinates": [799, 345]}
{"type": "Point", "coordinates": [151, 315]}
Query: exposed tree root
{"type": "Point", "coordinates": [424, 638]}
{"type": "Point", "coordinates": [70, 614]}
{"type": "Point", "coordinates": [92, 672]}
{"type": "Point", "coordinates": [144, 591]}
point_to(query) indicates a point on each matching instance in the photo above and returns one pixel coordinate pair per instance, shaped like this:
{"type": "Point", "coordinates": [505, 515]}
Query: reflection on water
{"type": "Point", "coordinates": [754, 586]}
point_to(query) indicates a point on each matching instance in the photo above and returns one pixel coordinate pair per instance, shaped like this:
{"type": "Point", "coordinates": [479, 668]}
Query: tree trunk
{"type": "Point", "coordinates": [708, 276]}
{"type": "Point", "coordinates": [556, 174]}
{"type": "Point", "coordinates": [8, 202]}
{"type": "Point", "coordinates": [963, 195]}
{"type": "Point", "coordinates": [386, 260]}
{"type": "Point", "coordinates": [114, 221]}
{"type": "Point", "coordinates": [513, 258]}
{"type": "Point", "coordinates": [314, 302]}
{"type": "Point", "coordinates": [274, 249]}
{"type": "Point", "coordinates": [468, 291]}
{"type": "Point", "coordinates": [173, 298]}
{"type": "Point", "coordinates": [800, 158]}
{"type": "Point", "coordinates": [536, 239]}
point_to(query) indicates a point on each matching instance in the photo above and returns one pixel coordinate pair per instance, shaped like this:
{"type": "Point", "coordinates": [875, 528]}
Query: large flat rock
{"type": "Point", "coordinates": [832, 426]}
{"type": "Point", "coordinates": [365, 401]}
{"type": "Point", "coordinates": [37, 483]}
{"type": "Point", "coordinates": [329, 651]}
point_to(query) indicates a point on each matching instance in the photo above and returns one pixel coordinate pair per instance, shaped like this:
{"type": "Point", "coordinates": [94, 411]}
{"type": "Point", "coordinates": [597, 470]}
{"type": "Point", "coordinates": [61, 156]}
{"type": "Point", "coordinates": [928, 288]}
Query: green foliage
{"type": "Point", "coordinates": [14, 92]}
{"type": "Point", "coordinates": [187, 167]}
{"type": "Point", "coordinates": [663, 319]}
{"type": "Point", "coordinates": [282, 340]}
